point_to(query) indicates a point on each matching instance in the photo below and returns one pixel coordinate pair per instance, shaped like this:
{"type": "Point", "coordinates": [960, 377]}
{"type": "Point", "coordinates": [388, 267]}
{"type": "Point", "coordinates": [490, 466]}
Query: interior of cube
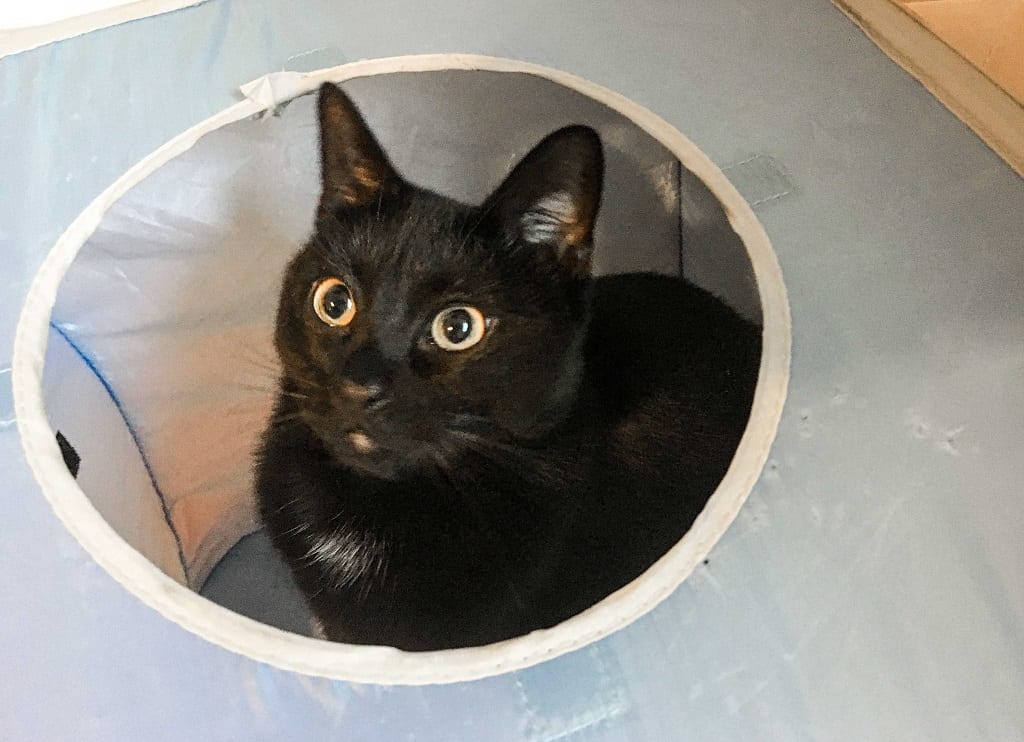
{"type": "Point", "coordinates": [160, 370]}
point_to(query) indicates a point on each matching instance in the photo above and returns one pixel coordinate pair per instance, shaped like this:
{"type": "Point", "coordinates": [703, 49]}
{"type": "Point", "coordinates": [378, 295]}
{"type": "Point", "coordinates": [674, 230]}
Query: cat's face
{"type": "Point", "coordinates": [412, 328]}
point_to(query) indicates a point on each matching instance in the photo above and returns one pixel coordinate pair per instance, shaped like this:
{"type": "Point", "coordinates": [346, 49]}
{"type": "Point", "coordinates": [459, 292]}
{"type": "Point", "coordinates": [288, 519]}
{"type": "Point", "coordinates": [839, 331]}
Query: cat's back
{"type": "Point", "coordinates": [675, 369]}
{"type": "Point", "coordinates": [648, 327]}
{"type": "Point", "coordinates": [651, 333]}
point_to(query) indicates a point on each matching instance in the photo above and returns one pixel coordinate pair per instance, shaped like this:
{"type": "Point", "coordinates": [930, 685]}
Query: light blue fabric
{"type": "Point", "coordinates": [870, 589]}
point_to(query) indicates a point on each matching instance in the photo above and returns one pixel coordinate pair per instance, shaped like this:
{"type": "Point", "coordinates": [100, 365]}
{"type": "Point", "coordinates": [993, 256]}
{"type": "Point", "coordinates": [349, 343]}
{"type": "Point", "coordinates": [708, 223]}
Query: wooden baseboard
{"type": "Point", "coordinates": [978, 101]}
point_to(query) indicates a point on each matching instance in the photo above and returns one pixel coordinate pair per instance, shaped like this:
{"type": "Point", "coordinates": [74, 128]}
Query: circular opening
{"type": "Point", "coordinates": [145, 341]}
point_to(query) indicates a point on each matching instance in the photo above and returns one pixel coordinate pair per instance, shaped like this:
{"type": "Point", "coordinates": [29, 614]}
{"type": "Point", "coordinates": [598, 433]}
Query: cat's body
{"type": "Point", "coordinates": [427, 498]}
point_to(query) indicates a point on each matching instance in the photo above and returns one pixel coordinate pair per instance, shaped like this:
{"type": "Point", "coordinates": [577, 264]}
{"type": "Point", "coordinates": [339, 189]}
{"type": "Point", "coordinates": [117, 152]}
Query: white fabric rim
{"type": "Point", "coordinates": [20, 39]}
{"type": "Point", "coordinates": [386, 665]}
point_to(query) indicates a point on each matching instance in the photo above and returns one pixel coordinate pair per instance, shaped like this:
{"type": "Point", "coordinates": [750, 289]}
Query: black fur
{"type": "Point", "coordinates": [513, 484]}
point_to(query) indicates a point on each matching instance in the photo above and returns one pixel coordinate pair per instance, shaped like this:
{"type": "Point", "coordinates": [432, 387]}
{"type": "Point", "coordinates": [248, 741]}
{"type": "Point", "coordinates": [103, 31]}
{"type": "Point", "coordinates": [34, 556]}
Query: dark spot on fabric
{"type": "Point", "coordinates": [71, 457]}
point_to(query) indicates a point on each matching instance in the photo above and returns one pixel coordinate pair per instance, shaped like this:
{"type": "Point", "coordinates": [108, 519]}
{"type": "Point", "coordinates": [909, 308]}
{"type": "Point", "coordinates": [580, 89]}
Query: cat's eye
{"type": "Point", "coordinates": [458, 328]}
{"type": "Point", "coordinates": [333, 302]}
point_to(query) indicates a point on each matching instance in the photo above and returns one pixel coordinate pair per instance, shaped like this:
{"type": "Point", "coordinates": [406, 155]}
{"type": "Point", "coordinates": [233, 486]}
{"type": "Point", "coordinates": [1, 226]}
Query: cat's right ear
{"type": "Point", "coordinates": [354, 169]}
{"type": "Point", "coordinates": [551, 198]}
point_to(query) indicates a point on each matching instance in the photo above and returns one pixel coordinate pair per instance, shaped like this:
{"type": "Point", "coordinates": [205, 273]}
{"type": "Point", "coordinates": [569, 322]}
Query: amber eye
{"type": "Point", "coordinates": [333, 303]}
{"type": "Point", "coordinates": [458, 328]}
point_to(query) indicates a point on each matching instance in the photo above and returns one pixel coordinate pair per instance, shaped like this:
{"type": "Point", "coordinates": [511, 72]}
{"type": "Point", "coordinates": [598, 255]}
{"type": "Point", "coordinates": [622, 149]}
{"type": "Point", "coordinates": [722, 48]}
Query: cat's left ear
{"type": "Point", "coordinates": [551, 198]}
{"type": "Point", "coordinates": [354, 169]}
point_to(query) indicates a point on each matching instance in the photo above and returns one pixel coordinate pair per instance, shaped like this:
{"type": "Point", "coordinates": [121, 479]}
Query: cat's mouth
{"type": "Point", "coordinates": [361, 442]}
{"type": "Point", "coordinates": [385, 450]}
{"type": "Point", "coordinates": [385, 456]}
{"type": "Point", "coordinates": [362, 452]}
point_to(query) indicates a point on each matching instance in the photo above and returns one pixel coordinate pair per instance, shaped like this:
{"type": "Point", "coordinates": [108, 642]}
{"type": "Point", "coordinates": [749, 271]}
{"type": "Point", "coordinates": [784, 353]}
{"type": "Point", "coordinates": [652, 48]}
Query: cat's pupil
{"type": "Point", "coordinates": [458, 326]}
{"type": "Point", "coordinates": [336, 302]}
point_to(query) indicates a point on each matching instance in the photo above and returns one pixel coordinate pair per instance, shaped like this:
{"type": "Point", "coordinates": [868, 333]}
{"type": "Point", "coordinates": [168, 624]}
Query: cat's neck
{"type": "Point", "coordinates": [563, 397]}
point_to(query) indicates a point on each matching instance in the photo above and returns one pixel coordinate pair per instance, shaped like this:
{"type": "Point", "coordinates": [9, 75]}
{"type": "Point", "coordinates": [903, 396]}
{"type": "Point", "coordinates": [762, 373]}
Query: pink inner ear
{"type": "Point", "coordinates": [554, 218]}
{"type": "Point", "coordinates": [361, 185]}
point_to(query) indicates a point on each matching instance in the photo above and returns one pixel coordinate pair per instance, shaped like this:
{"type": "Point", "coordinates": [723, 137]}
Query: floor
{"type": "Point", "coordinates": [252, 580]}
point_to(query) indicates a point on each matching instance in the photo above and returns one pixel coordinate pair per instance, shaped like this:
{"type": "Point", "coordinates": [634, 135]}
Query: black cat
{"type": "Point", "coordinates": [473, 438]}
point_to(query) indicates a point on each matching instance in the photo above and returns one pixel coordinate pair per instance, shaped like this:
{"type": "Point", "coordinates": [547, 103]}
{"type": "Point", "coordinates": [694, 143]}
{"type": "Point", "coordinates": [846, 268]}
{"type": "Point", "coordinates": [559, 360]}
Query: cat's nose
{"type": "Point", "coordinates": [366, 377]}
{"type": "Point", "coordinates": [370, 393]}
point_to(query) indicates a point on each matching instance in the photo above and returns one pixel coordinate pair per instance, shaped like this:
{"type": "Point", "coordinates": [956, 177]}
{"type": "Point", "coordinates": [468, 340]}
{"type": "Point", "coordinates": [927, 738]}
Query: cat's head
{"type": "Point", "coordinates": [412, 327]}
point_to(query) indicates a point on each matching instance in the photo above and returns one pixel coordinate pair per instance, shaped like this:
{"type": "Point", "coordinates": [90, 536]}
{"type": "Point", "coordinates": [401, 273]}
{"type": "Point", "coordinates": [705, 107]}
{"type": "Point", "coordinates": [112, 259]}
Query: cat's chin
{"type": "Point", "coordinates": [388, 470]}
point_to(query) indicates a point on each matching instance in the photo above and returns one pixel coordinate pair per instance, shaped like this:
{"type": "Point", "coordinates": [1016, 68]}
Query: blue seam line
{"type": "Point", "coordinates": [135, 437]}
